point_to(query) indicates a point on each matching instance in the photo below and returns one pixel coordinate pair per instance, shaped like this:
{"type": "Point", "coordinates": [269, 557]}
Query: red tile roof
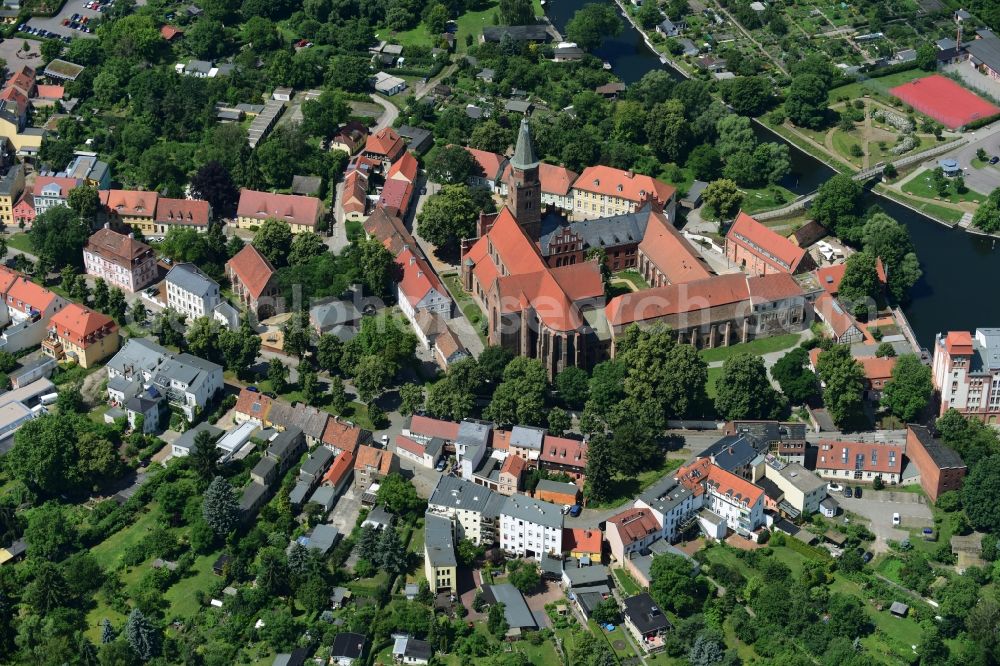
{"type": "Point", "coordinates": [118, 248]}
{"type": "Point", "coordinates": [23, 79]}
{"type": "Point", "coordinates": [830, 276]}
{"type": "Point", "coordinates": [425, 426]}
{"type": "Point", "coordinates": [342, 435]}
{"type": "Point", "coordinates": [677, 298]}
{"type": "Point", "coordinates": [252, 269]}
{"type": "Point", "coordinates": [76, 323]}
{"type": "Point", "coordinates": [563, 451]}
{"type": "Point", "coordinates": [396, 196]}
{"type": "Point", "coordinates": [62, 185]}
{"type": "Point", "coordinates": [291, 208]}
{"type": "Point", "coordinates": [617, 183]}
{"type": "Point", "coordinates": [958, 343]}
{"type": "Point", "coordinates": [7, 279]}
{"type": "Point", "coordinates": [529, 281]}
{"type": "Point", "coordinates": [579, 540]}
{"type": "Point", "coordinates": [730, 485]}
{"type": "Point", "coordinates": [831, 456]}
{"type": "Point", "coordinates": [253, 404]}
{"type": "Point", "coordinates": [556, 180]}
{"type": "Point", "coordinates": [194, 212]}
{"type": "Point", "coordinates": [130, 203]}
{"type": "Point", "coordinates": [12, 94]}
{"type": "Point", "coordinates": [385, 142]}
{"type": "Point", "coordinates": [489, 163]}
{"type": "Point", "coordinates": [368, 456]}
{"type": "Point", "coordinates": [407, 444]}
{"type": "Point", "coordinates": [342, 465]}
{"type": "Point", "coordinates": [355, 199]}
{"type": "Point", "coordinates": [513, 465]}
{"type": "Point", "coordinates": [50, 92]}
{"type": "Point", "coordinates": [878, 368]}
{"type": "Point", "coordinates": [832, 312]}
{"type": "Point", "coordinates": [405, 168]}
{"type": "Point", "coordinates": [671, 252]}
{"type": "Point", "coordinates": [168, 32]}
{"type": "Point", "coordinates": [447, 343]}
{"type": "Point", "coordinates": [419, 278]}
{"type": "Point", "coordinates": [772, 287]}
{"type": "Point", "coordinates": [773, 248]}
{"type": "Point", "coordinates": [25, 296]}
{"type": "Point", "coordinates": [634, 525]}
{"type": "Point", "coordinates": [389, 229]}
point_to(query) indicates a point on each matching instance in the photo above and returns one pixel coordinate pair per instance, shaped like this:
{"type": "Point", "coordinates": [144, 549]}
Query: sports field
{"type": "Point", "coordinates": [945, 101]}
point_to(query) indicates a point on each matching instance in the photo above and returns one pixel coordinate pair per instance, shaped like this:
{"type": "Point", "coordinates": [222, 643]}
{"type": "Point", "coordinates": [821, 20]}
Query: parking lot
{"type": "Point", "coordinates": [54, 24]}
{"type": "Point", "coordinates": [879, 505]}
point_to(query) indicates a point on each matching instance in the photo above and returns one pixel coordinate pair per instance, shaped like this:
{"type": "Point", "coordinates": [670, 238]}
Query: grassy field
{"type": "Point", "coordinates": [943, 213]}
{"type": "Point", "coordinates": [842, 143]}
{"type": "Point", "coordinates": [108, 552]}
{"type": "Point", "coordinates": [637, 281]}
{"type": "Point", "coordinates": [623, 489]}
{"type": "Point", "coordinates": [628, 584]}
{"type": "Point", "coordinates": [766, 198]}
{"type": "Point", "coordinates": [713, 375]}
{"type": "Point", "coordinates": [468, 306]}
{"type": "Point", "coordinates": [880, 85]}
{"type": "Point", "coordinates": [756, 347]}
{"type": "Point", "coordinates": [20, 241]}
{"type": "Point", "coordinates": [469, 23]}
{"type": "Point", "coordinates": [922, 185]}
{"type": "Point", "coordinates": [182, 599]}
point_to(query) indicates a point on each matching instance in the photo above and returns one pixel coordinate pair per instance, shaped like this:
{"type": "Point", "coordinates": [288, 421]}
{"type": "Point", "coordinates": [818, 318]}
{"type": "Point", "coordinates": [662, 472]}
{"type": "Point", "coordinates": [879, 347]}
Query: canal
{"type": "Point", "coordinates": [958, 267]}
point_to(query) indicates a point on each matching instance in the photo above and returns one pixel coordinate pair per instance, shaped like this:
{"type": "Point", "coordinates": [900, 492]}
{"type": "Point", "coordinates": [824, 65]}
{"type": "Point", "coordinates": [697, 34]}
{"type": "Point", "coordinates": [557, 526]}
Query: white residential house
{"type": "Point", "coordinates": [475, 508]}
{"type": "Point", "coordinates": [191, 292]}
{"type": "Point", "coordinates": [420, 290]}
{"type": "Point", "coordinates": [529, 528]}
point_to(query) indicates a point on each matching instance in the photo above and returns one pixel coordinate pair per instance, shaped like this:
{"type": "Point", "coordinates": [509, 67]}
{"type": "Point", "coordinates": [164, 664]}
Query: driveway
{"type": "Point", "coordinates": [345, 511]}
{"type": "Point", "coordinates": [389, 114]}
{"type": "Point", "coordinates": [879, 505]}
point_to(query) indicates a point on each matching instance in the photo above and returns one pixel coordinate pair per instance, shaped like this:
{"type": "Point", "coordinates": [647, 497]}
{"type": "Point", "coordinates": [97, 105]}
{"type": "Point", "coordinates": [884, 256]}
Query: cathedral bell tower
{"type": "Point", "coordinates": [524, 190]}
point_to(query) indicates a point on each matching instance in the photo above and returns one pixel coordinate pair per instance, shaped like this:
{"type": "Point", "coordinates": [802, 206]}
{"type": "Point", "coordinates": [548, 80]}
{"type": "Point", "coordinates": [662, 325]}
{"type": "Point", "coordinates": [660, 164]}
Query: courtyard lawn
{"type": "Point", "coordinates": [465, 302]}
{"type": "Point", "coordinates": [713, 375]}
{"type": "Point", "coordinates": [922, 185]}
{"type": "Point", "coordinates": [627, 582]}
{"type": "Point", "coordinates": [20, 241]}
{"type": "Point", "coordinates": [755, 347]}
{"type": "Point", "coordinates": [632, 277]}
{"type": "Point", "coordinates": [624, 489]}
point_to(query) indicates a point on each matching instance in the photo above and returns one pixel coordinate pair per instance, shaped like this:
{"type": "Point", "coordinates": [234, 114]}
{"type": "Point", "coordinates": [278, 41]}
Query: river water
{"type": "Point", "coordinates": [958, 267]}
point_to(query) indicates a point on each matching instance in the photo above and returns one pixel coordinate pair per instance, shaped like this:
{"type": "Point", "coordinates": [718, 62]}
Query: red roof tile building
{"type": "Point", "coordinates": [602, 191]}
{"type": "Point", "coordinates": [340, 471]}
{"type": "Point", "coordinates": [80, 334]}
{"type": "Point", "coordinates": [120, 260]}
{"type": "Point", "coordinates": [631, 531]}
{"type": "Point", "coordinates": [511, 472]}
{"type": "Point", "coordinates": [859, 461]}
{"type": "Point", "coordinates": [564, 455]}
{"type": "Point", "coordinates": [581, 542]}
{"type": "Point", "coordinates": [302, 213]}
{"type": "Point", "coordinates": [170, 33]}
{"type": "Point", "coordinates": [758, 250]}
{"type": "Point", "coordinates": [52, 191]}
{"type": "Point", "coordinates": [966, 372]}
{"type": "Point", "coordinates": [842, 324]}
{"type": "Point", "coordinates": [193, 213]}
{"type": "Point", "coordinates": [717, 311]}
{"type": "Point", "coordinates": [254, 281]}
{"type": "Point", "coordinates": [372, 465]}
{"type": "Point", "coordinates": [385, 147]}
{"type": "Point", "coordinates": [425, 428]}
{"type": "Point", "coordinates": [396, 197]}
{"type": "Point", "coordinates": [829, 277]}
{"type": "Point", "coordinates": [24, 212]}
{"type": "Point", "coordinates": [354, 202]}
{"type": "Point", "coordinates": [344, 436]}
{"type": "Point", "coordinates": [405, 168]}
{"type": "Point", "coordinates": [131, 207]}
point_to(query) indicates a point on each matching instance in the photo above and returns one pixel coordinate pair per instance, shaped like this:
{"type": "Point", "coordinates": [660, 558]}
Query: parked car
{"type": "Point", "coordinates": [857, 491]}
{"type": "Point", "coordinates": [441, 465]}
{"type": "Point", "coordinates": [867, 557]}
{"type": "Point", "coordinates": [895, 519]}
{"type": "Point", "coordinates": [575, 510]}
{"type": "Point", "coordinates": [994, 159]}
{"type": "Point", "coordinates": [253, 389]}
{"type": "Point", "coordinates": [848, 492]}
{"type": "Point", "coordinates": [834, 488]}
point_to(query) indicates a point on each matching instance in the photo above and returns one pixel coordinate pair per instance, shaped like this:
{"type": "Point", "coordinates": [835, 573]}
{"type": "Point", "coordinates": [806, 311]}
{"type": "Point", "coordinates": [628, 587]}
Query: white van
{"type": "Point", "coordinates": [48, 398]}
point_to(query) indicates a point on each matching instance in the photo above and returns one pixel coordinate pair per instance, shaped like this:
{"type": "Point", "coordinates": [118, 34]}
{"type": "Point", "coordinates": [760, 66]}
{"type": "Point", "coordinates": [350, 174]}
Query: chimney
{"type": "Point", "coordinates": [631, 174]}
{"type": "Point", "coordinates": [107, 225]}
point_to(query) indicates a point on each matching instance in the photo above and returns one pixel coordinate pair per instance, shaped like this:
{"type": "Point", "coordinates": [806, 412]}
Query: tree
{"type": "Point", "coordinates": [448, 216]}
{"type": "Point", "coordinates": [272, 571]}
{"type": "Point", "coordinates": [735, 135]}
{"type": "Point", "coordinates": [743, 390]}
{"type": "Point", "coordinates": [274, 240]}
{"type": "Point", "coordinates": [213, 183]}
{"type": "Point", "coordinates": [436, 18]}
{"type": "Point", "coordinates": [889, 240]}
{"type": "Point", "coordinates": [84, 200]}
{"type": "Point", "coordinates": [329, 350]}
{"type": "Point", "coordinates": [496, 621]}
{"type": "Point", "coordinates": [50, 532]}
{"type": "Point", "coordinates": [836, 203]}
{"type": "Point", "coordinates": [379, 270]}
{"type": "Point", "coordinates": [591, 24]}
{"type": "Point", "coordinates": [797, 381]}
{"type": "Point", "coordinates": [58, 236]}
{"type": "Point", "coordinates": [220, 508]}
{"type": "Point", "coordinates": [559, 421]}
{"type": "Point", "coordinates": [168, 327]}
{"type": "Point", "coordinates": [981, 493]}
{"type": "Point", "coordinates": [372, 375]}
{"type": "Point", "coordinates": [142, 636]}
{"type": "Point", "coordinates": [117, 305]}
{"type": "Point", "coordinates": [860, 287]}
{"type": "Point", "coordinates": [338, 395]}
{"type": "Point", "coordinates": [909, 390]}
{"type": "Point", "coordinates": [573, 385]}
{"type": "Point", "coordinates": [704, 162]}
{"type": "Point", "coordinates": [108, 633]}
{"type": "Point", "coordinates": [927, 57]}
{"type": "Point", "coordinates": [239, 348]}
{"type": "Point", "coordinates": [525, 576]}
{"type": "Point", "coordinates": [399, 496]}
{"type": "Point", "coordinates": [411, 399]}
{"type": "Point", "coordinates": [673, 587]}
{"type": "Point", "coordinates": [845, 382]}
{"type": "Point", "coordinates": [516, 12]}
{"type": "Point", "coordinates": [451, 165]}
{"type": "Point", "coordinates": [277, 374]}
{"type": "Point", "coordinates": [806, 101]}
{"type": "Point", "coordinates": [308, 384]}
{"type": "Point", "coordinates": [138, 312]}
{"type": "Point", "coordinates": [391, 553]}
{"type": "Point", "coordinates": [649, 15]}
{"type": "Point", "coordinates": [69, 400]}
{"type": "Point", "coordinates": [323, 116]}
{"type": "Point", "coordinates": [706, 650]}
{"type": "Point", "coordinates": [723, 198]}
{"type": "Point", "coordinates": [490, 136]}
{"type": "Point", "coordinates": [600, 468]}
{"type": "Point", "coordinates": [668, 130]}
{"type": "Point", "coordinates": [987, 216]}
{"type": "Point", "coordinates": [520, 398]}
{"type": "Point", "coordinates": [747, 95]}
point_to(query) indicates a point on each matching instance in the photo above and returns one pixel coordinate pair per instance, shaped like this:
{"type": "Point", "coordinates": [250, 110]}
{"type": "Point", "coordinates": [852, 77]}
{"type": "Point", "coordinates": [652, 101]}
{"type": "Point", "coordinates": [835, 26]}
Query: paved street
{"type": "Point", "coordinates": [879, 505]}
{"type": "Point", "coordinates": [389, 115]}
{"type": "Point", "coordinates": [983, 180]}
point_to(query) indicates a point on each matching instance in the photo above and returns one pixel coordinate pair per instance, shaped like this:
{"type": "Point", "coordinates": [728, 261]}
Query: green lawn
{"type": "Point", "coordinates": [627, 582]}
{"type": "Point", "coordinates": [922, 185]}
{"type": "Point", "coordinates": [713, 375]}
{"type": "Point", "coordinates": [880, 85]}
{"type": "Point", "coordinates": [947, 215]}
{"type": "Point", "coordinates": [766, 198]}
{"type": "Point", "coordinates": [756, 347]}
{"type": "Point", "coordinates": [624, 488]}
{"type": "Point", "coordinates": [466, 303]}
{"type": "Point", "coordinates": [632, 277]}
{"type": "Point", "coordinates": [108, 552]}
{"type": "Point", "coordinates": [182, 599]}
{"type": "Point", "coordinates": [20, 241]}
{"type": "Point", "coordinates": [842, 143]}
{"type": "Point", "coordinates": [469, 23]}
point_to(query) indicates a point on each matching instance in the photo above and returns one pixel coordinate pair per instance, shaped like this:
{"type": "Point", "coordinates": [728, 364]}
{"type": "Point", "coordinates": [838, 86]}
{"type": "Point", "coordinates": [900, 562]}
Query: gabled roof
{"type": "Point", "coordinates": [872, 456]}
{"type": "Point", "coordinates": [671, 252]}
{"type": "Point", "coordinates": [191, 279]}
{"type": "Point", "coordinates": [738, 489]}
{"type": "Point", "coordinates": [396, 196]}
{"type": "Point", "coordinates": [513, 465]}
{"type": "Point", "coordinates": [54, 186]}
{"type": "Point", "coordinates": [776, 250]}
{"type": "Point", "coordinates": [252, 269]}
{"type": "Point", "coordinates": [342, 435]}
{"type": "Point", "coordinates": [564, 451]}
{"type": "Point", "coordinates": [404, 168]}
{"type": "Point", "coordinates": [254, 404]}
{"type": "Point", "coordinates": [368, 456]}
{"type": "Point", "coordinates": [390, 230]}
{"type": "Point", "coordinates": [116, 247]}
{"type": "Point", "coordinates": [130, 203]}
{"type": "Point", "coordinates": [418, 278]}
{"type": "Point", "coordinates": [831, 312]}
{"type": "Point", "coordinates": [168, 32]}
{"type": "Point", "coordinates": [342, 465]}
{"type": "Point", "coordinates": [581, 540]}
{"type": "Point", "coordinates": [490, 165]}
{"type": "Point", "coordinates": [194, 212]}
{"type": "Point", "coordinates": [426, 426]}
{"type": "Point", "coordinates": [555, 180]}
{"type": "Point", "coordinates": [291, 208]}
{"type": "Point", "coordinates": [617, 183]}
{"type": "Point", "coordinates": [634, 524]}
{"type": "Point", "coordinates": [830, 276]}
{"type": "Point", "coordinates": [77, 323]}
{"type": "Point", "coordinates": [30, 296]}
{"type": "Point", "coordinates": [385, 142]}
{"type": "Point", "coordinates": [772, 287]}
{"type": "Point", "coordinates": [878, 367]}
{"type": "Point", "coordinates": [675, 299]}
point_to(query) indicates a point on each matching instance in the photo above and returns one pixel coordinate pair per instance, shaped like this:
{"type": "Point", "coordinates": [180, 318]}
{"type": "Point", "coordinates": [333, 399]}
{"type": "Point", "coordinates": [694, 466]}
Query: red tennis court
{"type": "Point", "coordinates": [944, 100]}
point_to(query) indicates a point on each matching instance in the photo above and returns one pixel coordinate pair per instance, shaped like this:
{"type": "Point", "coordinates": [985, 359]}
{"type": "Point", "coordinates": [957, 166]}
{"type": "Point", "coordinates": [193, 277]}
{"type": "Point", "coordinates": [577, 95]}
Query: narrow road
{"type": "Point", "coordinates": [389, 114]}
{"type": "Point", "coordinates": [746, 33]}
{"type": "Point", "coordinates": [421, 89]}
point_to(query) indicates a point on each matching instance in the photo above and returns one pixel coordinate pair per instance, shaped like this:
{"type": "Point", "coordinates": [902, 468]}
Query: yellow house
{"type": "Point", "coordinates": [440, 565]}
{"type": "Point", "coordinates": [137, 209]}
{"type": "Point", "coordinates": [302, 213]}
{"type": "Point", "coordinates": [82, 335]}
{"type": "Point", "coordinates": [11, 187]}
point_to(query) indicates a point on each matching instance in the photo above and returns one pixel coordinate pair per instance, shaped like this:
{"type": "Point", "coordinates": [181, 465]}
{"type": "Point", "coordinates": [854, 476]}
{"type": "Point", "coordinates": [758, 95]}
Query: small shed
{"type": "Point", "coordinates": [899, 609]}
{"type": "Point", "coordinates": [950, 167]}
{"type": "Point", "coordinates": [693, 197]}
{"type": "Point", "coordinates": [836, 538]}
{"type": "Point", "coordinates": [806, 537]}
